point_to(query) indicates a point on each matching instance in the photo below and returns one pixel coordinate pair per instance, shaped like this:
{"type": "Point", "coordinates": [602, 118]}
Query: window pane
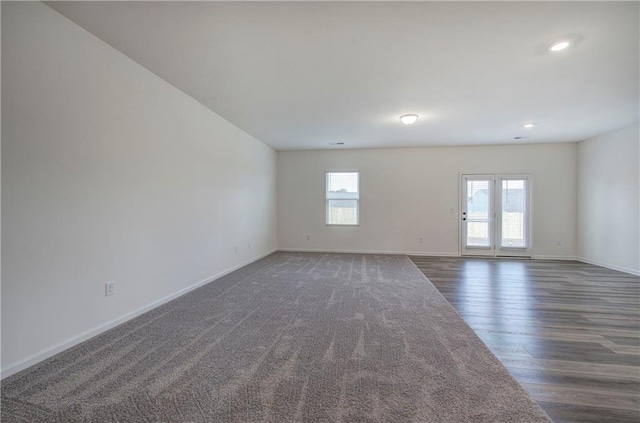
{"type": "Point", "coordinates": [342, 185]}
{"type": "Point", "coordinates": [342, 212]}
{"type": "Point", "coordinates": [342, 198]}
{"type": "Point", "coordinates": [478, 234]}
{"type": "Point", "coordinates": [513, 209]}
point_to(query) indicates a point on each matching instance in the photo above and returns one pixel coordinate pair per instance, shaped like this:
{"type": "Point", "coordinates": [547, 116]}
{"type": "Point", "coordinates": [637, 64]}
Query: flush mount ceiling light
{"type": "Point", "coordinates": [528, 125]}
{"type": "Point", "coordinates": [559, 45]}
{"type": "Point", "coordinates": [409, 119]}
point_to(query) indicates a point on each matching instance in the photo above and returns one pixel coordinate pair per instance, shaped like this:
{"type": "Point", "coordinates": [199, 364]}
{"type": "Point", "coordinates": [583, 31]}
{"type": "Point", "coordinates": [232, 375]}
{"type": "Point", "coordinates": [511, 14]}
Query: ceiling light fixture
{"type": "Point", "coordinates": [409, 119]}
{"type": "Point", "coordinates": [559, 45]}
{"type": "Point", "coordinates": [528, 125]}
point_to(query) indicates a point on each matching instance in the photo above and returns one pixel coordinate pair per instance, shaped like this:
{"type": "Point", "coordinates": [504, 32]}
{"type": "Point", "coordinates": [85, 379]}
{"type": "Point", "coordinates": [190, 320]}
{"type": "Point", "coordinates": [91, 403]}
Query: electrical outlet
{"type": "Point", "coordinates": [421, 239]}
{"type": "Point", "coordinates": [109, 289]}
{"type": "Point", "coordinates": [308, 237]}
{"type": "Point", "coordinates": [235, 248]}
{"type": "Point", "coordinates": [559, 244]}
{"type": "Point", "coordinates": [249, 245]}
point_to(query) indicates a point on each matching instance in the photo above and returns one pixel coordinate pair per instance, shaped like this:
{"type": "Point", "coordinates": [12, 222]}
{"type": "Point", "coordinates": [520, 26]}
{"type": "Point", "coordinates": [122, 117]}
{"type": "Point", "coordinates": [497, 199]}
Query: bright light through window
{"type": "Point", "coordinates": [513, 205]}
{"type": "Point", "coordinates": [343, 197]}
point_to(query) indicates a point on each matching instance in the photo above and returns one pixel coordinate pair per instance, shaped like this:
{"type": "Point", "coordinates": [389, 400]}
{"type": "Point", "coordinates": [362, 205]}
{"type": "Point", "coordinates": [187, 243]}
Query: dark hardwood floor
{"type": "Point", "coordinates": [569, 332]}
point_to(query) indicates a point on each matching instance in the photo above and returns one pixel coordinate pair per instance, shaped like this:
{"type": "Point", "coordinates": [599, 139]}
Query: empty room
{"type": "Point", "coordinates": [312, 211]}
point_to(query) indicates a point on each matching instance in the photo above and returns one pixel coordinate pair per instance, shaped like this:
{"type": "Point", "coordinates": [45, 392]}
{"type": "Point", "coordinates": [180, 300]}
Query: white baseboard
{"type": "Point", "coordinates": [43, 355]}
{"type": "Point", "coordinates": [609, 266]}
{"type": "Point", "coordinates": [331, 251]}
{"type": "Point", "coordinates": [430, 254]}
{"type": "Point", "coordinates": [546, 257]}
{"type": "Point", "coordinates": [49, 352]}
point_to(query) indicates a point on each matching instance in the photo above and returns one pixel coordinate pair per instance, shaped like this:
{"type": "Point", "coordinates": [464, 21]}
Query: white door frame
{"type": "Point", "coordinates": [495, 217]}
{"type": "Point", "coordinates": [465, 216]}
{"type": "Point", "coordinates": [514, 251]}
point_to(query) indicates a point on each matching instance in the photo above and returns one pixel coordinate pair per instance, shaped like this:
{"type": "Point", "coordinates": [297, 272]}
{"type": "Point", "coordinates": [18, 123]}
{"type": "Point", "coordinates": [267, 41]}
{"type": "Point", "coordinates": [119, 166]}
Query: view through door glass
{"type": "Point", "coordinates": [478, 194]}
{"type": "Point", "coordinates": [495, 215]}
{"type": "Point", "coordinates": [513, 213]}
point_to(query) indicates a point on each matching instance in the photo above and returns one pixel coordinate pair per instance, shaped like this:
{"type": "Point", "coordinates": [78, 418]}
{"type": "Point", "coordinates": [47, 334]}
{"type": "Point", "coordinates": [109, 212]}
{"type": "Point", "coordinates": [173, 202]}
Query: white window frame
{"type": "Point", "coordinates": [326, 201]}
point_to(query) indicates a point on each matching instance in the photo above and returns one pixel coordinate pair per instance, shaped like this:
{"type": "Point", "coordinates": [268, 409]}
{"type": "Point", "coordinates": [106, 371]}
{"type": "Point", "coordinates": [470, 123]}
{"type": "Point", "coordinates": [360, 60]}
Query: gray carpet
{"type": "Point", "coordinates": [293, 337]}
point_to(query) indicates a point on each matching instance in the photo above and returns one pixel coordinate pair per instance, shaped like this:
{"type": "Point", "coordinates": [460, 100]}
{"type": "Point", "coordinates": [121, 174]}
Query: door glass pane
{"type": "Point", "coordinates": [513, 213]}
{"type": "Point", "coordinates": [478, 234]}
{"type": "Point", "coordinates": [478, 213]}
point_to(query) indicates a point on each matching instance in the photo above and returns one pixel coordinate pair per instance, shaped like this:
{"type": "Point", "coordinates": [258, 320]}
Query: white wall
{"type": "Point", "coordinates": [608, 200]}
{"type": "Point", "coordinates": [111, 174]}
{"type": "Point", "coordinates": [408, 193]}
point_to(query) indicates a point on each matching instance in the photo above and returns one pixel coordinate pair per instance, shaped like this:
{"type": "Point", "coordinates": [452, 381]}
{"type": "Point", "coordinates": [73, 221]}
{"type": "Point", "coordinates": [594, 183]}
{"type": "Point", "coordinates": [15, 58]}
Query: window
{"type": "Point", "coordinates": [343, 197]}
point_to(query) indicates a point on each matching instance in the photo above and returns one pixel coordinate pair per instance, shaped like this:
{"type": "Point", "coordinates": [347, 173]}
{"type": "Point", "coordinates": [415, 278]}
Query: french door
{"type": "Point", "coordinates": [495, 215]}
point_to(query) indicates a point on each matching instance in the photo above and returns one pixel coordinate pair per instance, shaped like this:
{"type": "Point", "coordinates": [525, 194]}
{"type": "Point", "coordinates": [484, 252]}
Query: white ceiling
{"type": "Point", "coordinates": [301, 75]}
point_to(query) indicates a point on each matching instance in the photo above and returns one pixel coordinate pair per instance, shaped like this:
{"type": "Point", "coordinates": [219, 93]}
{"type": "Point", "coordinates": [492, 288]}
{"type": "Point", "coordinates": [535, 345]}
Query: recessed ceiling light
{"type": "Point", "coordinates": [409, 119]}
{"type": "Point", "coordinates": [559, 45]}
{"type": "Point", "coordinates": [528, 125]}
